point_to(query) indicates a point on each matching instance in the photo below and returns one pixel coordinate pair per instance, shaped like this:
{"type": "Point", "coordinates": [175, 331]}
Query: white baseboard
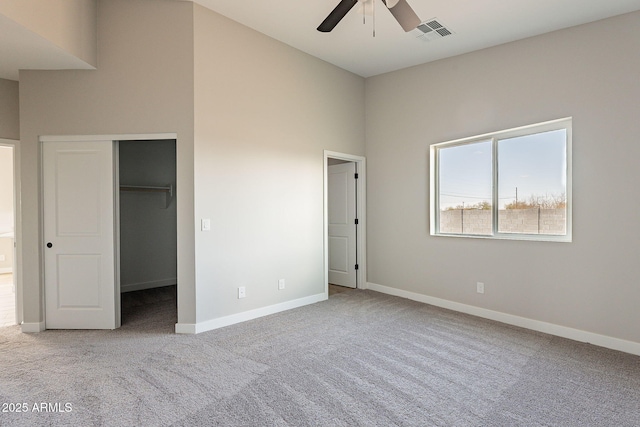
{"type": "Point", "coordinates": [191, 328]}
{"type": "Point", "coordinates": [147, 285]}
{"type": "Point", "coordinates": [30, 328]}
{"type": "Point", "coordinates": [186, 328]}
{"type": "Point", "coordinates": [510, 319]}
{"type": "Point", "coordinates": [6, 270]}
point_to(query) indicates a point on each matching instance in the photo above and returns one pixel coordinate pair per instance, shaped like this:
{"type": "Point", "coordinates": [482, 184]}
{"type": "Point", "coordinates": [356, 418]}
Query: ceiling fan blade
{"type": "Point", "coordinates": [336, 15]}
{"type": "Point", "coordinates": [404, 14]}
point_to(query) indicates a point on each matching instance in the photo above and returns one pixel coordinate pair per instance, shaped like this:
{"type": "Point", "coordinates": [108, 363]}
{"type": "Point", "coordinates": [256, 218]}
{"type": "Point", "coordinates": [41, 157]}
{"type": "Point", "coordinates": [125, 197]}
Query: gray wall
{"type": "Point", "coordinates": [264, 114]}
{"type": "Point", "coordinates": [70, 25]}
{"type": "Point", "coordinates": [148, 254]}
{"type": "Point", "coordinates": [589, 72]}
{"type": "Point", "coordinates": [144, 83]}
{"type": "Point", "coordinates": [249, 147]}
{"type": "Point", "coordinates": [9, 110]}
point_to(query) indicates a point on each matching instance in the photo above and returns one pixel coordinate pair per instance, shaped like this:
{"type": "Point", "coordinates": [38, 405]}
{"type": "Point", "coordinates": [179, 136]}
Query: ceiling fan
{"type": "Point", "coordinates": [400, 10]}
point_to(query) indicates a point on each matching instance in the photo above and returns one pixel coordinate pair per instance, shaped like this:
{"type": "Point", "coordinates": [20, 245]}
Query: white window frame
{"type": "Point", "coordinates": [564, 123]}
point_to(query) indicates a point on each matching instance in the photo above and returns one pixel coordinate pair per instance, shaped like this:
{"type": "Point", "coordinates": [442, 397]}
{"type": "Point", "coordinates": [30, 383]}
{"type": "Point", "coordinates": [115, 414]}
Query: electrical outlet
{"type": "Point", "coordinates": [281, 284]}
{"type": "Point", "coordinates": [480, 287]}
{"type": "Point", "coordinates": [242, 292]}
{"type": "Point", "coordinates": [206, 224]}
{"type": "Point", "coordinates": [2, 258]}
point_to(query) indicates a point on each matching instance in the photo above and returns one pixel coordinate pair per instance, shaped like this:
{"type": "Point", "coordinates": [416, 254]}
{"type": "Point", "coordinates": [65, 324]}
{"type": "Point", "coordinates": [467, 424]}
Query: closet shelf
{"type": "Point", "coordinates": [150, 189]}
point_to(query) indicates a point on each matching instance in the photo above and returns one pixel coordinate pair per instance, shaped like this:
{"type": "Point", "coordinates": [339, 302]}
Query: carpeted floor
{"type": "Point", "coordinates": [360, 358]}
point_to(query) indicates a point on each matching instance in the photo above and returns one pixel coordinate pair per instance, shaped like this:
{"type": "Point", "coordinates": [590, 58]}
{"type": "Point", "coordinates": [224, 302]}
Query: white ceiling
{"type": "Point", "coordinates": [477, 24]}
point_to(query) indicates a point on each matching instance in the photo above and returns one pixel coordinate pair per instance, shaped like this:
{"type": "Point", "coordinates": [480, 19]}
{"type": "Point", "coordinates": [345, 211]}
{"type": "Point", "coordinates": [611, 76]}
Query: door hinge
{"type": "Point", "coordinates": [357, 266]}
{"type": "Point", "coordinates": [356, 175]}
{"type": "Point", "coordinates": [356, 221]}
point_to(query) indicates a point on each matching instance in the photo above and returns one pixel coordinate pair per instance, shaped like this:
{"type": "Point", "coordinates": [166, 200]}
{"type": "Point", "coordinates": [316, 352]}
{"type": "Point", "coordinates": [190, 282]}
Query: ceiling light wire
{"type": "Point", "coordinates": [364, 12]}
{"type": "Point", "coordinates": [374, 18]}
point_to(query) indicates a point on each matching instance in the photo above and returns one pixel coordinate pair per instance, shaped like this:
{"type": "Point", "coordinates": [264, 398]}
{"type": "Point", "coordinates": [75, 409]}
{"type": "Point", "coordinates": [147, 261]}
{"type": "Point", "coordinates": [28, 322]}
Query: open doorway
{"type": "Point", "coordinates": [342, 178]}
{"type": "Point", "coordinates": [345, 222]}
{"type": "Point", "coordinates": [148, 232]}
{"type": "Point", "coordinates": [8, 273]}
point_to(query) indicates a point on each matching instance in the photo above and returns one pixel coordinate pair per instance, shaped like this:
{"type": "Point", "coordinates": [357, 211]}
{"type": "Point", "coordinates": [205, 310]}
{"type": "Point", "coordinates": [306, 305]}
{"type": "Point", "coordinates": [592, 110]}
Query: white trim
{"type": "Point", "coordinates": [523, 322]}
{"type": "Point", "coordinates": [32, 328]}
{"type": "Point", "coordinates": [6, 270]}
{"type": "Point", "coordinates": [190, 328]}
{"type": "Point", "coordinates": [186, 328]}
{"type": "Point", "coordinates": [361, 201]}
{"type": "Point", "coordinates": [116, 232]}
{"type": "Point", "coordinates": [511, 133]}
{"type": "Point", "coordinates": [109, 137]}
{"type": "Point", "coordinates": [147, 285]}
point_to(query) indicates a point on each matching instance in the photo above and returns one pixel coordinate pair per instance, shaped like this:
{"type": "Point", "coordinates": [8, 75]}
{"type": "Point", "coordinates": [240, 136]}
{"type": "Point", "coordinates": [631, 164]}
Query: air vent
{"type": "Point", "coordinates": [431, 30]}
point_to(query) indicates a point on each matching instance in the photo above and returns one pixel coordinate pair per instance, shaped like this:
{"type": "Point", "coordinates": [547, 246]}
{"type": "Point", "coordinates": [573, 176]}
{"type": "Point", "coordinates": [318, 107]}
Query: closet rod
{"type": "Point", "coordinates": [146, 188]}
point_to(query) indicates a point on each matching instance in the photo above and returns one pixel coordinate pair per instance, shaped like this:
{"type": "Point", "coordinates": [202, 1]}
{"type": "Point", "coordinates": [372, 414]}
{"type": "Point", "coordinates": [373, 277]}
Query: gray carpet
{"type": "Point", "coordinates": [359, 359]}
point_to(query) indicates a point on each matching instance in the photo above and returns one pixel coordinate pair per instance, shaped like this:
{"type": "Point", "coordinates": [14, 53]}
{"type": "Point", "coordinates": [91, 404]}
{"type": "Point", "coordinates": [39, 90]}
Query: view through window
{"type": "Point", "coordinates": [508, 184]}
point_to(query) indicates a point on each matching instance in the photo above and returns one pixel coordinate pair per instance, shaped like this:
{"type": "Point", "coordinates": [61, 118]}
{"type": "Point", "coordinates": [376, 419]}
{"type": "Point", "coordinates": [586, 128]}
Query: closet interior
{"type": "Point", "coordinates": [148, 226]}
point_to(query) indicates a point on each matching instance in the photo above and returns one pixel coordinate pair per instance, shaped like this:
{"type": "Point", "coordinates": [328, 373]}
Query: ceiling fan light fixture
{"type": "Point", "coordinates": [365, 7]}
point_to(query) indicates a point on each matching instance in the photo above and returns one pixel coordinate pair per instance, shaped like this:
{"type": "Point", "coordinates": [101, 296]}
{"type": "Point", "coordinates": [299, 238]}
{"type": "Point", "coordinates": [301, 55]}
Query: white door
{"type": "Point", "coordinates": [78, 187]}
{"type": "Point", "coordinates": [342, 224]}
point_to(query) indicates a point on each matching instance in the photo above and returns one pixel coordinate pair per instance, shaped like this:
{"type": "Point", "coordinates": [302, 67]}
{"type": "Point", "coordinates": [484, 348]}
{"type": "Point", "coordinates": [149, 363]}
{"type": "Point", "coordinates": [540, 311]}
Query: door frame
{"type": "Point", "coordinates": [17, 226]}
{"type": "Point", "coordinates": [115, 138]}
{"type": "Point", "coordinates": [361, 213]}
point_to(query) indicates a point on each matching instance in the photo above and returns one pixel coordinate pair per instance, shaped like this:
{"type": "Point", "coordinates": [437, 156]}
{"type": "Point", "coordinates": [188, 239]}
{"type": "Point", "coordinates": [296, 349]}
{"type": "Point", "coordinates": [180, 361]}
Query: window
{"type": "Point", "coordinates": [512, 184]}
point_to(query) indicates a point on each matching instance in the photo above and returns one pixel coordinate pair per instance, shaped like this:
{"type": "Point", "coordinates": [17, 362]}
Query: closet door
{"type": "Point", "coordinates": [78, 189]}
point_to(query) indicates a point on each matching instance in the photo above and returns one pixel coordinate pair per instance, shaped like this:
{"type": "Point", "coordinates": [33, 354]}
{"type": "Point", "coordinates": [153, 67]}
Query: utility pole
{"type": "Point", "coordinates": [516, 197]}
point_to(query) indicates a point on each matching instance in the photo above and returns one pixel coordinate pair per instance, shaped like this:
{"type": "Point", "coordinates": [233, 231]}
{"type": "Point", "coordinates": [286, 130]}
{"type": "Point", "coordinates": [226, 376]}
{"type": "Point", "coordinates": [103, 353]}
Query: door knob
{"type": "Point", "coordinates": [49, 245]}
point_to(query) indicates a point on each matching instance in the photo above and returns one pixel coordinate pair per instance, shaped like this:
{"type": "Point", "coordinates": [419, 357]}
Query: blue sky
{"type": "Point", "coordinates": [535, 164]}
